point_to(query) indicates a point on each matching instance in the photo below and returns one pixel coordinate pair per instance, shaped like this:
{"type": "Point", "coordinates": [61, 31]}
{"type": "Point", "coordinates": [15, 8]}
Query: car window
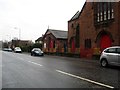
{"type": "Point", "coordinates": [17, 48]}
{"type": "Point", "coordinates": [106, 50]}
{"type": "Point", "coordinates": [118, 50]}
{"type": "Point", "coordinates": [111, 50]}
{"type": "Point", "coordinates": [36, 49]}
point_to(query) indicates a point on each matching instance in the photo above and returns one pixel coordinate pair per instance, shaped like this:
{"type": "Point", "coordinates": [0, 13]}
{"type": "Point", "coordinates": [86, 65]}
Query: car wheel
{"type": "Point", "coordinates": [104, 63]}
{"type": "Point", "coordinates": [31, 54]}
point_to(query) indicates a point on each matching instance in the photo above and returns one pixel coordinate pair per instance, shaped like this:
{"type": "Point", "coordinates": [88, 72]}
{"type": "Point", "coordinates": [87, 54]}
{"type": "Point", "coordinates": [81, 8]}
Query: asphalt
{"type": "Point", "coordinates": [25, 71]}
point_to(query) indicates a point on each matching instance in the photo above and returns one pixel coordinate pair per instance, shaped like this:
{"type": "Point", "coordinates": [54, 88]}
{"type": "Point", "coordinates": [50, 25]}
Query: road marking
{"type": "Point", "coordinates": [35, 63]}
{"type": "Point", "coordinates": [88, 80]}
{"type": "Point", "coordinates": [20, 58]}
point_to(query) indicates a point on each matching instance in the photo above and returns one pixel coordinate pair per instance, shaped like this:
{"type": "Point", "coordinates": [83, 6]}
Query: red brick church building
{"type": "Point", "coordinates": [95, 28]}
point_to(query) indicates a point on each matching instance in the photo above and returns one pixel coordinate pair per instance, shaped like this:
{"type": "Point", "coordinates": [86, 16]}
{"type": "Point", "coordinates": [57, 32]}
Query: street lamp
{"type": "Point", "coordinates": [8, 37]}
{"type": "Point", "coordinates": [19, 32]}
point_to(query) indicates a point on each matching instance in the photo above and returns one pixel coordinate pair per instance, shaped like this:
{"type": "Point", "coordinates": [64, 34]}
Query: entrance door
{"type": "Point", "coordinates": [73, 45]}
{"type": "Point", "coordinates": [105, 42]}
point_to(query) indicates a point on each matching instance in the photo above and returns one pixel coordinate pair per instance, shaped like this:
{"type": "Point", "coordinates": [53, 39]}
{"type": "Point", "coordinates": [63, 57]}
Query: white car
{"type": "Point", "coordinates": [110, 56]}
{"type": "Point", "coordinates": [17, 50]}
{"type": "Point", "coordinates": [7, 49]}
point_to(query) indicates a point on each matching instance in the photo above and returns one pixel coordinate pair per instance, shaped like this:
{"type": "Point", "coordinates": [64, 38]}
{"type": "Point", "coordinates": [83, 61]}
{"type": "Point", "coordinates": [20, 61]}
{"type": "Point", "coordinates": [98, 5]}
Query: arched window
{"type": "Point", "coordinates": [72, 44]}
{"type": "Point", "coordinates": [49, 42]}
{"type": "Point", "coordinates": [103, 11]}
{"type": "Point", "coordinates": [54, 44]}
{"type": "Point", "coordinates": [77, 38]}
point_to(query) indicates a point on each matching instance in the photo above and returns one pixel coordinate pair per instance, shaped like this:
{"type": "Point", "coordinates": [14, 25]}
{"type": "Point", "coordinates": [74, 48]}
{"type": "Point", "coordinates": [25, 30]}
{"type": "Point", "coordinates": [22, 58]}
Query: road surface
{"type": "Point", "coordinates": [25, 71]}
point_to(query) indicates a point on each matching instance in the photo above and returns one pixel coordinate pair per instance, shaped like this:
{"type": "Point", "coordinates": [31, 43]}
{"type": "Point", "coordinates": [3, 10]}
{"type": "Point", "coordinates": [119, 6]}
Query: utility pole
{"type": "Point", "coordinates": [48, 26]}
{"type": "Point", "coordinates": [19, 32]}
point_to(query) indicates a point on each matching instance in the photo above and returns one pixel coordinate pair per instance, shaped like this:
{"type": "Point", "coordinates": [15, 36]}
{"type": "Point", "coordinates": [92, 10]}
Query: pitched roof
{"type": "Point", "coordinates": [39, 39]}
{"type": "Point", "coordinates": [58, 33]}
{"type": "Point", "coordinates": [76, 15]}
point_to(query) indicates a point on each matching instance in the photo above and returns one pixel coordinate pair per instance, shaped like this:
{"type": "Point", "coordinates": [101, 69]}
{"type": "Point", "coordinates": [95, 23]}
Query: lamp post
{"type": "Point", "coordinates": [19, 32]}
{"type": "Point", "coordinates": [8, 41]}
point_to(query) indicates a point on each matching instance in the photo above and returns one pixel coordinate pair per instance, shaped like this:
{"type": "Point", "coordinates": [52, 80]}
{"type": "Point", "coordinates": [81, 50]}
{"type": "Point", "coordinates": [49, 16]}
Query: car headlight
{"type": "Point", "coordinates": [36, 52]}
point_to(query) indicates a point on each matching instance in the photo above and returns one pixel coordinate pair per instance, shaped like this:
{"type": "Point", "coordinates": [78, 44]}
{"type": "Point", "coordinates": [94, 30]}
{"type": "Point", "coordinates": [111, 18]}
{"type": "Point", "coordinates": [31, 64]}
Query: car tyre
{"type": "Point", "coordinates": [104, 63]}
{"type": "Point", "coordinates": [31, 54]}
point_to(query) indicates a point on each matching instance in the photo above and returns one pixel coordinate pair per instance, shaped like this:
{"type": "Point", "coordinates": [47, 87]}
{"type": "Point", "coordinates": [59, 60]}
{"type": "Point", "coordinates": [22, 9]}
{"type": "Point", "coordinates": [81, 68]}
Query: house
{"type": "Point", "coordinates": [38, 43]}
{"type": "Point", "coordinates": [94, 28]}
{"type": "Point", "coordinates": [21, 43]}
{"type": "Point", "coordinates": [73, 34]}
{"type": "Point", "coordinates": [39, 40]}
{"type": "Point", "coordinates": [55, 41]}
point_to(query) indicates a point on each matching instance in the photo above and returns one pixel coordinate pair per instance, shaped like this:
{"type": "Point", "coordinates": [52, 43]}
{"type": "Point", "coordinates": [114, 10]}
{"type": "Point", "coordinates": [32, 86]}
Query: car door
{"type": "Point", "coordinates": [118, 51]}
{"type": "Point", "coordinates": [112, 56]}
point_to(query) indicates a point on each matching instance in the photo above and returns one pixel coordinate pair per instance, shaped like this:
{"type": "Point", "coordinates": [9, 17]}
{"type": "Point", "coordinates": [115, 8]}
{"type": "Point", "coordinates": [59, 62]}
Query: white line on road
{"type": "Point", "coordinates": [88, 80]}
{"type": "Point", "coordinates": [35, 63]}
{"type": "Point", "coordinates": [20, 58]}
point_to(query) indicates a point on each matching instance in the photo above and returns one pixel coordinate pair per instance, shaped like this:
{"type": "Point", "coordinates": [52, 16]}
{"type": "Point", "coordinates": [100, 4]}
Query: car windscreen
{"type": "Point", "coordinates": [37, 50]}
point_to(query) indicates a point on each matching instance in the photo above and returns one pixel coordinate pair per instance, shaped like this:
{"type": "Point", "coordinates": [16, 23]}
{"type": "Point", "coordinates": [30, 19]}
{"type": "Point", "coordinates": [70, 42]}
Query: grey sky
{"type": "Point", "coordinates": [32, 17]}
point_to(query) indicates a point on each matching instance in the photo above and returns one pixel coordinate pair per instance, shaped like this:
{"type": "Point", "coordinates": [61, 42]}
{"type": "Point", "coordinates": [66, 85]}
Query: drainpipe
{"type": "Point", "coordinates": [118, 23]}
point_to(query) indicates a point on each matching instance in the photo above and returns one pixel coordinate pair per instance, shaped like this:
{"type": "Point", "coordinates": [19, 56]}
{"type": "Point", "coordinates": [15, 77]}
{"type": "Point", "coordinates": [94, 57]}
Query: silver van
{"type": "Point", "coordinates": [110, 56]}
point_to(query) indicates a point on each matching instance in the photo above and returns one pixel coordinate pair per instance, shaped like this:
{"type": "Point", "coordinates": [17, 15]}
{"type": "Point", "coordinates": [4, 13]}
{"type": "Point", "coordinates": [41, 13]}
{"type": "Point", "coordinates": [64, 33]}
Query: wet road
{"type": "Point", "coordinates": [25, 71]}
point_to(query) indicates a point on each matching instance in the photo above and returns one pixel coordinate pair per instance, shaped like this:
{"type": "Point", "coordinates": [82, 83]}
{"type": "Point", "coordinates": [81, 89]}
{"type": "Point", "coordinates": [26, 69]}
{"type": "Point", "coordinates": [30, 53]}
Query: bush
{"type": "Point", "coordinates": [37, 45]}
{"type": "Point", "coordinates": [28, 48]}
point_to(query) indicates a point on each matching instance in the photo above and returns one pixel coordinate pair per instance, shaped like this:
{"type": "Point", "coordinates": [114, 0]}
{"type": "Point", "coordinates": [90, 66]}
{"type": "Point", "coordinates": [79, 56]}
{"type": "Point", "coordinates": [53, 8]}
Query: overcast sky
{"type": "Point", "coordinates": [32, 17]}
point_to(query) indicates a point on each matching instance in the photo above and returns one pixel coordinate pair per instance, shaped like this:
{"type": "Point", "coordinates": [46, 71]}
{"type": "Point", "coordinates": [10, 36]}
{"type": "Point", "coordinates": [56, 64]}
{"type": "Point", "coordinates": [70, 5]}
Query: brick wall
{"type": "Point", "coordinates": [59, 44]}
{"type": "Point", "coordinates": [119, 22]}
{"type": "Point", "coordinates": [88, 30]}
{"type": "Point", "coordinates": [72, 29]}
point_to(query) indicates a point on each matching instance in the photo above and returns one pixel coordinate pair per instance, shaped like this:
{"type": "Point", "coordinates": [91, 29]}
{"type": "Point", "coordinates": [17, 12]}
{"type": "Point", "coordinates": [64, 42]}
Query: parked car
{"type": "Point", "coordinates": [17, 50]}
{"type": "Point", "coordinates": [110, 56]}
{"type": "Point", "coordinates": [7, 49]}
{"type": "Point", "coordinates": [37, 52]}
